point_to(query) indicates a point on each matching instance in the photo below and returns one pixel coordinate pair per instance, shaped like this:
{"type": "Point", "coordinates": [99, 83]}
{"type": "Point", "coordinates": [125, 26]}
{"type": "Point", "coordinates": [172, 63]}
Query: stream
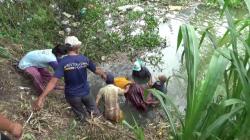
{"type": "Point", "coordinates": [170, 58]}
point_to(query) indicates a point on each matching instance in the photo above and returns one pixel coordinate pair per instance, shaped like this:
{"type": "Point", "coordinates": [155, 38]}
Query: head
{"type": "Point", "coordinates": [59, 50]}
{"type": "Point", "coordinates": [137, 66]}
{"type": "Point", "coordinates": [109, 78]}
{"type": "Point", "coordinates": [72, 43]}
{"type": "Point", "coordinates": [162, 78]}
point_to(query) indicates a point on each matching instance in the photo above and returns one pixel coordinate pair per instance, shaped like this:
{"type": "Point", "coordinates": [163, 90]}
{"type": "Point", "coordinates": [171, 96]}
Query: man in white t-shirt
{"type": "Point", "coordinates": [35, 63]}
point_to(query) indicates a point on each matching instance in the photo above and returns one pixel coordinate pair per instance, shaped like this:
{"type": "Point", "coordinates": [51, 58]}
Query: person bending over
{"type": "Point", "coordinates": [73, 68]}
{"type": "Point", "coordinates": [35, 64]}
{"type": "Point", "coordinates": [110, 95]}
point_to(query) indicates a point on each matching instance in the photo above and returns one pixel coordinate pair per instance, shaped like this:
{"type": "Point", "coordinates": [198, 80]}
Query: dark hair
{"type": "Point", "coordinates": [109, 78]}
{"type": "Point", "coordinates": [60, 50]}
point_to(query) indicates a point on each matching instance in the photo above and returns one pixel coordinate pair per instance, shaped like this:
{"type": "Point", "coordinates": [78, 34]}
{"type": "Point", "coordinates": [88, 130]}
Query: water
{"type": "Point", "coordinates": [170, 58]}
{"type": "Point", "coordinates": [170, 66]}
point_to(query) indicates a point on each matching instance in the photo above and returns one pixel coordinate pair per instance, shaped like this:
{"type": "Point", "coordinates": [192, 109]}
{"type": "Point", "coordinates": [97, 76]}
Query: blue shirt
{"type": "Point", "coordinates": [74, 70]}
{"type": "Point", "coordinates": [37, 58]}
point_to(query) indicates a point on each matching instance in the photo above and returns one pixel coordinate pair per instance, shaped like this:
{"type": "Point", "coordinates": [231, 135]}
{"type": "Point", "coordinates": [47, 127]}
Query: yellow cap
{"type": "Point", "coordinates": [121, 82]}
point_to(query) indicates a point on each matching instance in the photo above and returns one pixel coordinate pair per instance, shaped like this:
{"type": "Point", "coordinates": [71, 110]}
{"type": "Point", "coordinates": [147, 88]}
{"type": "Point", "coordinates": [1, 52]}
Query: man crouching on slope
{"type": "Point", "coordinates": [73, 68]}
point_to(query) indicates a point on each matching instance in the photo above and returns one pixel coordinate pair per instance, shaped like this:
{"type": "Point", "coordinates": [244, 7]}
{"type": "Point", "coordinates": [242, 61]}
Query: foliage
{"type": "Point", "coordinates": [167, 105]}
{"type": "Point", "coordinates": [138, 131]}
{"type": "Point", "coordinates": [230, 3]}
{"type": "Point", "coordinates": [210, 115]}
{"type": "Point", "coordinates": [36, 25]}
{"type": "Point", "coordinates": [217, 119]}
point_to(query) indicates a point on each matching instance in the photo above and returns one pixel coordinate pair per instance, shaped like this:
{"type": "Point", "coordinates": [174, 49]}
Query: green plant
{"type": "Point", "coordinates": [167, 106]}
{"type": "Point", "coordinates": [205, 117]}
{"type": "Point", "coordinates": [210, 115]}
{"type": "Point", "coordinates": [138, 131]}
{"type": "Point", "coordinates": [134, 15]}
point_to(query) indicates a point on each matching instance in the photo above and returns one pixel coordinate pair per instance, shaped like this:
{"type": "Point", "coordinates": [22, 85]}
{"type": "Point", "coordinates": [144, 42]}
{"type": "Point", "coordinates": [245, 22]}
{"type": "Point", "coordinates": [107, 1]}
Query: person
{"type": "Point", "coordinates": [35, 64]}
{"type": "Point", "coordinates": [122, 82]}
{"type": "Point", "coordinates": [140, 73]}
{"type": "Point", "coordinates": [159, 83]}
{"type": "Point", "coordinates": [73, 67]}
{"type": "Point", "coordinates": [134, 92]}
{"type": "Point", "coordinates": [110, 94]}
{"type": "Point", "coordinates": [12, 127]}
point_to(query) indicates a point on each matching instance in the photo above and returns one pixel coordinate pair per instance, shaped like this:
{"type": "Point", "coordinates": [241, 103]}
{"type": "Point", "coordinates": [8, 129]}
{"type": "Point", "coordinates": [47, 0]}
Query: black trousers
{"type": "Point", "coordinates": [77, 106]}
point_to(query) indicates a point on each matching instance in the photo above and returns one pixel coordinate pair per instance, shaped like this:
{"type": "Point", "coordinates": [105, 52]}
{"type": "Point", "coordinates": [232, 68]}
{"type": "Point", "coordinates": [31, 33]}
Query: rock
{"type": "Point", "coordinates": [61, 33]}
{"type": "Point", "coordinates": [175, 8]}
{"type": "Point", "coordinates": [29, 19]}
{"type": "Point", "coordinates": [135, 8]}
{"type": "Point", "coordinates": [24, 88]}
{"type": "Point", "coordinates": [136, 32]}
{"type": "Point", "coordinates": [108, 23]}
{"type": "Point", "coordinates": [140, 23]}
{"type": "Point", "coordinates": [82, 11]}
{"type": "Point", "coordinates": [67, 14]}
{"type": "Point", "coordinates": [54, 6]}
{"type": "Point", "coordinates": [126, 7]}
{"type": "Point", "coordinates": [75, 24]}
{"type": "Point", "coordinates": [103, 58]}
{"type": "Point", "coordinates": [68, 30]}
{"type": "Point", "coordinates": [138, 9]}
{"type": "Point", "coordinates": [65, 22]}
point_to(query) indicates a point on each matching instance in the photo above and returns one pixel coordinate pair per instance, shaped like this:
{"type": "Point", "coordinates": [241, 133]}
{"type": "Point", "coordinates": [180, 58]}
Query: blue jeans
{"type": "Point", "coordinates": [77, 103]}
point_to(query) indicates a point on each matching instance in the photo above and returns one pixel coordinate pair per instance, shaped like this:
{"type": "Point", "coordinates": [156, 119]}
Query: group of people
{"type": "Point", "coordinates": [72, 66]}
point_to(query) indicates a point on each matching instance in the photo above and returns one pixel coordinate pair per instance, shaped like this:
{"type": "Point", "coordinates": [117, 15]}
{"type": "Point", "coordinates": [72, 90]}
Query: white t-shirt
{"type": "Point", "coordinates": [37, 58]}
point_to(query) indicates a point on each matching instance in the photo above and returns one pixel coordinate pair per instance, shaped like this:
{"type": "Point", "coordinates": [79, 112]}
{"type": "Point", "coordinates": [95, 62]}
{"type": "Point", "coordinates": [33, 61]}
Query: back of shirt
{"type": "Point", "coordinates": [37, 58]}
{"type": "Point", "coordinates": [74, 70]}
{"type": "Point", "coordinates": [110, 94]}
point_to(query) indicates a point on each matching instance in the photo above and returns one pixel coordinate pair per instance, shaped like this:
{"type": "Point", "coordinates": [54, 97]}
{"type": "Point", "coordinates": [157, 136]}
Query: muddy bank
{"type": "Point", "coordinates": [56, 120]}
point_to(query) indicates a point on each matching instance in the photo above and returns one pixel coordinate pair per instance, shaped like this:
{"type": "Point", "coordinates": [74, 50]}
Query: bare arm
{"type": "Point", "coordinates": [121, 91]}
{"type": "Point", "coordinates": [100, 72]}
{"type": "Point", "coordinates": [98, 97]}
{"type": "Point", "coordinates": [14, 128]}
{"type": "Point", "coordinates": [127, 88]}
{"type": "Point", "coordinates": [50, 86]}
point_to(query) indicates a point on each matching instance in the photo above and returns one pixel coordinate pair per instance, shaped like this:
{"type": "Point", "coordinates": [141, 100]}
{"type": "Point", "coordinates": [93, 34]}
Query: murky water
{"type": "Point", "coordinates": [170, 62]}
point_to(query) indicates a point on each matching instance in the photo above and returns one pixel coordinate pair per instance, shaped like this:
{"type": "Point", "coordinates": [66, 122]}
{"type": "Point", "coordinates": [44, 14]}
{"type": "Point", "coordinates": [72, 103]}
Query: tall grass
{"type": "Point", "coordinates": [208, 116]}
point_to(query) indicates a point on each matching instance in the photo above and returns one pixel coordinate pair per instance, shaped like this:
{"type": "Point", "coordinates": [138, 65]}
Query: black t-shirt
{"type": "Point", "coordinates": [143, 75]}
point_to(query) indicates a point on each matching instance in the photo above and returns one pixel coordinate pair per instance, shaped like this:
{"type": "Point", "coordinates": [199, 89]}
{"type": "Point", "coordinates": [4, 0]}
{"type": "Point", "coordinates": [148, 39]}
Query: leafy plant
{"type": "Point", "coordinates": [138, 131]}
{"type": "Point", "coordinates": [208, 115]}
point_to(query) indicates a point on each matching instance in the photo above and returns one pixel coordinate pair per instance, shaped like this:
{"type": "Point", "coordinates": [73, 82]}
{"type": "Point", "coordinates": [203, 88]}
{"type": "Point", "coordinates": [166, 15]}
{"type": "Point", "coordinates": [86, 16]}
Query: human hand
{"type": "Point", "coordinates": [38, 104]}
{"type": "Point", "coordinates": [103, 76]}
{"type": "Point", "coordinates": [16, 130]}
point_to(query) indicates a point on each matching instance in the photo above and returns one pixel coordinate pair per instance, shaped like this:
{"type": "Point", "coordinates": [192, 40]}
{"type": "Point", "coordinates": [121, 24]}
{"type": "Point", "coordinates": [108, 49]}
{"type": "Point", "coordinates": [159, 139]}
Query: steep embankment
{"type": "Point", "coordinates": [56, 120]}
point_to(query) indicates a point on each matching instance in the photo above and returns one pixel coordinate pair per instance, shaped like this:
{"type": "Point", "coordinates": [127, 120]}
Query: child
{"type": "Point", "coordinates": [73, 68]}
{"type": "Point", "coordinates": [35, 63]}
{"type": "Point", "coordinates": [112, 109]}
{"type": "Point", "coordinates": [13, 128]}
